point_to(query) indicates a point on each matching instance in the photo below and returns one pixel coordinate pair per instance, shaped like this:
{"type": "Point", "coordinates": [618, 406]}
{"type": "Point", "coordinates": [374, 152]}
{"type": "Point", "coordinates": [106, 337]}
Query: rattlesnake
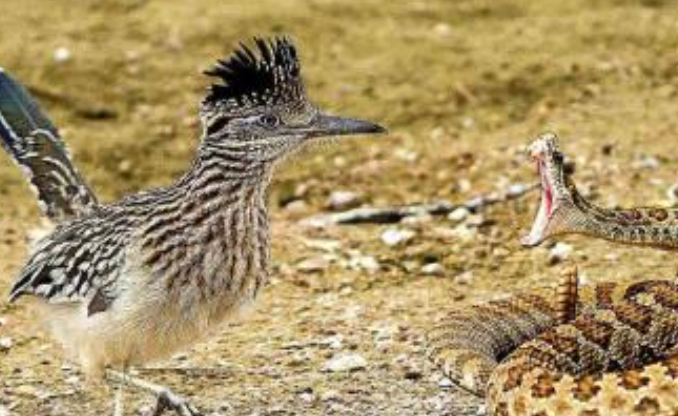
{"type": "Point", "coordinates": [538, 355]}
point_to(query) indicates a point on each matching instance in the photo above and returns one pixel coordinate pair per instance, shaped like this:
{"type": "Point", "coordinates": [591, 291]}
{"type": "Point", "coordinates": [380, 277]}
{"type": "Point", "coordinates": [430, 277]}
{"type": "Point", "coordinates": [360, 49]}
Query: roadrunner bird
{"type": "Point", "coordinates": [122, 284]}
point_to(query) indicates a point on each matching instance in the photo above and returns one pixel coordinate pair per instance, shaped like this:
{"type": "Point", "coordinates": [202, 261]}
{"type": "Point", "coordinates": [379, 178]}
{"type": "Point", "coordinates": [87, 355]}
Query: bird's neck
{"type": "Point", "coordinates": [226, 172]}
{"type": "Point", "coordinates": [213, 225]}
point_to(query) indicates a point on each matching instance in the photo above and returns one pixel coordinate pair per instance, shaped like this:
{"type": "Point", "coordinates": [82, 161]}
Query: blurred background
{"type": "Point", "coordinates": [463, 86]}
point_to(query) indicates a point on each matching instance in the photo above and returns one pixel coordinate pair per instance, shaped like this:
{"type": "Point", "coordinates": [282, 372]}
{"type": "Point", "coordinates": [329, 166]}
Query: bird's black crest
{"type": "Point", "coordinates": [269, 74]}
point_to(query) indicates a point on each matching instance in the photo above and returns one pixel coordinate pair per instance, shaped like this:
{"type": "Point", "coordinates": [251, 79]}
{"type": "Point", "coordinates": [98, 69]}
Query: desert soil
{"type": "Point", "coordinates": [463, 86]}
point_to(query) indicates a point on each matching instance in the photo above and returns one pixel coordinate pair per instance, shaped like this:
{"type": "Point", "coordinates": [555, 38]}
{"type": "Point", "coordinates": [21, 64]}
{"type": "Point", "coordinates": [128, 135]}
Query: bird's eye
{"type": "Point", "coordinates": [269, 120]}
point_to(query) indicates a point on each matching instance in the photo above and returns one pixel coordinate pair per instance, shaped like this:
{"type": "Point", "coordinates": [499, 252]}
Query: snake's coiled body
{"type": "Point", "coordinates": [524, 356]}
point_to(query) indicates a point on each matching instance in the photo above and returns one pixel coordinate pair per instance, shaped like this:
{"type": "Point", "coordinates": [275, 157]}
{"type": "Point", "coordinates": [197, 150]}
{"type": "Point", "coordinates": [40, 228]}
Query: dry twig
{"type": "Point", "coordinates": [387, 215]}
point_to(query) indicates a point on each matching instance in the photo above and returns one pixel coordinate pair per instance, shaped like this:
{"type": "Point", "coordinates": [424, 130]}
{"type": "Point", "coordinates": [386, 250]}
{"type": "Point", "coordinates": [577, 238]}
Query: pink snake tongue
{"type": "Point", "coordinates": [538, 230]}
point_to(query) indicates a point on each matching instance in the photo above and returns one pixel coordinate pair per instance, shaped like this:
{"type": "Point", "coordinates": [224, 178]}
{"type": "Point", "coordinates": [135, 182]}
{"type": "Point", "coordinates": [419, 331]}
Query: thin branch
{"type": "Point", "coordinates": [390, 215]}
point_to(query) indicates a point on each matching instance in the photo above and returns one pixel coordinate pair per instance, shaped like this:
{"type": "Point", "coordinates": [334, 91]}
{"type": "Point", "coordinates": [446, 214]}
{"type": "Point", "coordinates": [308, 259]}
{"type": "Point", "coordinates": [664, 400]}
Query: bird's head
{"type": "Point", "coordinates": [259, 109]}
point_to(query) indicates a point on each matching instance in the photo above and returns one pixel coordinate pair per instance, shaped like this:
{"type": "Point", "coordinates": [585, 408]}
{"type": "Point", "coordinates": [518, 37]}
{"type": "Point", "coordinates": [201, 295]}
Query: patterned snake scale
{"type": "Point", "coordinates": [533, 355]}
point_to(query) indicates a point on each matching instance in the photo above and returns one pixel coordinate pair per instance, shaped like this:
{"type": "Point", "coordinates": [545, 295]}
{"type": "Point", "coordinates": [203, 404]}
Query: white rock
{"type": "Point", "coordinates": [339, 162]}
{"type": "Point", "coordinates": [406, 155]}
{"type": "Point", "coordinates": [672, 194]}
{"type": "Point", "coordinates": [314, 264]}
{"type": "Point", "coordinates": [645, 162]}
{"type": "Point", "coordinates": [367, 263]}
{"type": "Point", "coordinates": [6, 343]}
{"type": "Point", "coordinates": [333, 342]}
{"type": "Point", "coordinates": [330, 395]}
{"type": "Point", "coordinates": [417, 219]}
{"type": "Point", "coordinates": [27, 390]}
{"type": "Point", "coordinates": [613, 257]}
{"type": "Point", "coordinates": [517, 189]}
{"type": "Point", "coordinates": [464, 233]}
{"type": "Point", "coordinates": [464, 185]}
{"type": "Point", "coordinates": [345, 363]}
{"type": "Point", "coordinates": [395, 236]}
{"type": "Point", "coordinates": [464, 278]}
{"type": "Point", "coordinates": [340, 200]}
{"type": "Point", "coordinates": [560, 252]}
{"type": "Point", "coordinates": [329, 246]}
{"type": "Point", "coordinates": [3, 411]}
{"type": "Point", "coordinates": [459, 214]}
{"type": "Point", "coordinates": [62, 55]}
{"type": "Point", "coordinates": [445, 383]}
{"type": "Point", "coordinates": [297, 207]}
{"type": "Point", "coordinates": [73, 380]}
{"type": "Point", "coordinates": [307, 397]}
{"type": "Point", "coordinates": [475, 220]}
{"type": "Point", "coordinates": [468, 123]}
{"type": "Point", "coordinates": [433, 269]}
{"type": "Point", "coordinates": [352, 312]}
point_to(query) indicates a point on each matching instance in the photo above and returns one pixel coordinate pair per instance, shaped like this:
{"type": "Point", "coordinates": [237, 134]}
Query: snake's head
{"type": "Point", "coordinates": [556, 208]}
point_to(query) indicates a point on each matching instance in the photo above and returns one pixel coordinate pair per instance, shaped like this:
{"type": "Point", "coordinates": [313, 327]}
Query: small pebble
{"type": "Point", "coordinates": [182, 356]}
{"type": "Point", "coordinates": [395, 236]}
{"type": "Point", "coordinates": [367, 263]}
{"type": "Point", "coordinates": [6, 344]}
{"type": "Point", "coordinates": [560, 252]}
{"type": "Point", "coordinates": [464, 185]}
{"type": "Point", "coordinates": [345, 363]}
{"type": "Point", "coordinates": [672, 194]}
{"type": "Point", "coordinates": [464, 278]}
{"type": "Point", "coordinates": [330, 395]}
{"type": "Point", "coordinates": [27, 390]}
{"type": "Point", "coordinates": [433, 269]}
{"type": "Point", "coordinates": [333, 342]}
{"type": "Point", "coordinates": [297, 207]}
{"type": "Point", "coordinates": [645, 162]}
{"type": "Point", "coordinates": [517, 189]}
{"type": "Point", "coordinates": [445, 383]}
{"type": "Point", "coordinates": [468, 123]}
{"type": "Point", "coordinates": [312, 265]}
{"type": "Point", "coordinates": [385, 332]}
{"type": "Point", "coordinates": [62, 55]}
{"type": "Point", "coordinates": [73, 380]}
{"type": "Point", "coordinates": [329, 246]}
{"type": "Point", "coordinates": [464, 233]}
{"type": "Point", "coordinates": [413, 373]}
{"type": "Point", "coordinates": [417, 219]}
{"type": "Point", "coordinates": [459, 214]}
{"type": "Point", "coordinates": [341, 200]}
{"type": "Point", "coordinates": [476, 220]}
{"type": "Point", "coordinates": [406, 155]}
{"type": "Point", "coordinates": [307, 397]}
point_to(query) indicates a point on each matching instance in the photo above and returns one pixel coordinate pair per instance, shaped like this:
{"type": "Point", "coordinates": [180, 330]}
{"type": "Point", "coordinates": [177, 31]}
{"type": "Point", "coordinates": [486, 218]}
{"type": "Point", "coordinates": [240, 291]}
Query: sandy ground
{"type": "Point", "coordinates": [463, 85]}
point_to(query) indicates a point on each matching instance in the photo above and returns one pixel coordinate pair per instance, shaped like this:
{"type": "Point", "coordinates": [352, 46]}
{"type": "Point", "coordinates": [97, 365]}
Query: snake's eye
{"type": "Point", "coordinates": [269, 120]}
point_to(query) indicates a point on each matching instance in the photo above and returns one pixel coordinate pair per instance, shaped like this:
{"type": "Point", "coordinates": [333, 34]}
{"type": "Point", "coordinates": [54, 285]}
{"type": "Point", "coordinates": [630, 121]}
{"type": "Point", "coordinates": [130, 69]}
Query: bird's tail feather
{"type": "Point", "coordinates": [34, 143]}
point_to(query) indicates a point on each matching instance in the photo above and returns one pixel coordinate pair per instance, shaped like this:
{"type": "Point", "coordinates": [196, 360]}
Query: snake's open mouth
{"type": "Point", "coordinates": [548, 160]}
{"type": "Point", "coordinates": [546, 205]}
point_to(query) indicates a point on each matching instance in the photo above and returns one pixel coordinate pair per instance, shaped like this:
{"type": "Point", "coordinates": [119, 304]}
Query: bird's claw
{"type": "Point", "coordinates": [168, 400]}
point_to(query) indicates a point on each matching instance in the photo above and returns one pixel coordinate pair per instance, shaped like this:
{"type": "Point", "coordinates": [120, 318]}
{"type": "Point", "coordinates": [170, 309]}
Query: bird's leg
{"type": "Point", "coordinates": [118, 404]}
{"type": "Point", "coordinates": [167, 399]}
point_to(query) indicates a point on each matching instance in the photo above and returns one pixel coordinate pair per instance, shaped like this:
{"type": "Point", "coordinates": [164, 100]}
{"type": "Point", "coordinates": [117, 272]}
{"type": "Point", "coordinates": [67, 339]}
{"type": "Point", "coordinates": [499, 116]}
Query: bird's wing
{"type": "Point", "coordinates": [35, 145]}
{"type": "Point", "coordinates": [80, 262]}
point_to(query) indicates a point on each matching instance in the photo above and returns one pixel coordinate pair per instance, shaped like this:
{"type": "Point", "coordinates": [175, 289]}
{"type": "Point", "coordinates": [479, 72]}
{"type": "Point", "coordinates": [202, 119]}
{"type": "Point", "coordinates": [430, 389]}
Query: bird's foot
{"type": "Point", "coordinates": [168, 400]}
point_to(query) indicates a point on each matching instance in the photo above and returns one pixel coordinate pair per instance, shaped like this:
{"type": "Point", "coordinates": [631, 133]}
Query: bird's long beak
{"type": "Point", "coordinates": [326, 125]}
